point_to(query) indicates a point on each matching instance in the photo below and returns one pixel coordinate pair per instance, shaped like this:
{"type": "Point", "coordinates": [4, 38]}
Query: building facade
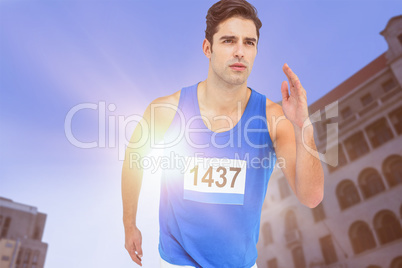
{"type": "Point", "coordinates": [359, 135]}
{"type": "Point", "coordinates": [21, 231]}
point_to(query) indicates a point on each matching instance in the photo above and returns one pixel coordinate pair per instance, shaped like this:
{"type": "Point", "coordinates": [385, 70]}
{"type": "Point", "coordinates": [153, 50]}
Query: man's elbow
{"type": "Point", "coordinates": [314, 200]}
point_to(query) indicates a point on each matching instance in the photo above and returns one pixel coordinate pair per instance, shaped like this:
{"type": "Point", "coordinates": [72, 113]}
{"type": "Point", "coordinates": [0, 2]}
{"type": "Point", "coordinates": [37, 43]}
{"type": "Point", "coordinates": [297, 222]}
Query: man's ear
{"type": "Point", "coordinates": [206, 48]}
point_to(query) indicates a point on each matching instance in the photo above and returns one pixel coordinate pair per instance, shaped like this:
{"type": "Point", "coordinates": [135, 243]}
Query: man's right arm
{"type": "Point", "coordinates": [132, 174]}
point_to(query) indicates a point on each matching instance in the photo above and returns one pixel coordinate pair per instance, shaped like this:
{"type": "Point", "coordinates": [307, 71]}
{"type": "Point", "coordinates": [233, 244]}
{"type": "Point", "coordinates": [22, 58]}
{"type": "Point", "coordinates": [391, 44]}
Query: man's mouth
{"type": "Point", "coordinates": [238, 67]}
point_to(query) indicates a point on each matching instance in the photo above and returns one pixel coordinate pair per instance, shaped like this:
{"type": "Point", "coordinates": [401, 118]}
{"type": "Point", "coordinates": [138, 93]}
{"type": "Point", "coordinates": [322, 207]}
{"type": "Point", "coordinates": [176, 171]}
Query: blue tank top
{"type": "Point", "coordinates": [214, 185]}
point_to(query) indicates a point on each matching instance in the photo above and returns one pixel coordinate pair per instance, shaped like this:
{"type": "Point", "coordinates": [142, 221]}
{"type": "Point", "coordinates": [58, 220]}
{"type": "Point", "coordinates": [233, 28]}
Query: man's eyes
{"type": "Point", "coordinates": [229, 41]}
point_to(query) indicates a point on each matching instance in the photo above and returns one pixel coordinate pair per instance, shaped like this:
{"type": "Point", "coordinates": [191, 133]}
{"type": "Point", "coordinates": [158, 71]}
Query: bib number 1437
{"type": "Point", "coordinates": [208, 178]}
{"type": "Point", "coordinates": [217, 179]}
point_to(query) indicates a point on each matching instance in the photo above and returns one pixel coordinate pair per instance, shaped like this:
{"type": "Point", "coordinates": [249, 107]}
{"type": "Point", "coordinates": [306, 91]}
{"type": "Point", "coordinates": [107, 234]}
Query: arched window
{"type": "Point", "coordinates": [298, 257]}
{"type": "Point", "coordinates": [356, 146]}
{"type": "Point", "coordinates": [267, 233]}
{"type": "Point", "coordinates": [392, 169]}
{"type": "Point", "coordinates": [397, 262]}
{"type": "Point", "coordinates": [283, 188]}
{"type": "Point", "coordinates": [290, 221]}
{"type": "Point", "coordinates": [370, 182]}
{"type": "Point", "coordinates": [347, 194]}
{"type": "Point", "coordinates": [361, 237]}
{"type": "Point", "coordinates": [318, 212]}
{"type": "Point", "coordinates": [387, 226]}
{"type": "Point", "coordinates": [379, 132]}
{"type": "Point", "coordinates": [400, 211]}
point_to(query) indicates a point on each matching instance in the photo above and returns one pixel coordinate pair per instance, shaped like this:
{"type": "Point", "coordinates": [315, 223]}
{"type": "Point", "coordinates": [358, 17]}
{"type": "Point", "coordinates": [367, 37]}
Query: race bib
{"type": "Point", "coordinates": [215, 180]}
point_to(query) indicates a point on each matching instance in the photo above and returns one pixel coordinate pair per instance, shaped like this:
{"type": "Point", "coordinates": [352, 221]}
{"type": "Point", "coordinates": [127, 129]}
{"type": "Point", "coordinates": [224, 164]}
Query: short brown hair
{"type": "Point", "coordinates": [226, 9]}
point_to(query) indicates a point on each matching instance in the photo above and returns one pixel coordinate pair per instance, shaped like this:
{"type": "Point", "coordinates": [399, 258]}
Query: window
{"type": "Point", "coordinates": [387, 226]}
{"type": "Point", "coordinates": [283, 188]}
{"type": "Point", "coordinates": [341, 156]}
{"type": "Point", "coordinates": [290, 221]}
{"type": "Point", "coordinates": [323, 127]}
{"type": "Point", "coordinates": [27, 255]}
{"type": "Point", "coordinates": [379, 132]}
{"type": "Point", "coordinates": [298, 257]}
{"type": "Point", "coordinates": [370, 182]}
{"type": "Point", "coordinates": [400, 38]}
{"type": "Point", "coordinates": [5, 258]}
{"type": "Point", "coordinates": [341, 160]}
{"type": "Point", "coordinates": [356, 146]}
{"type": "Point", "coordinates": [366, 99]}
{"type": "Point", "coordinates": [388, 85]}
{"type": "Point", "coordinates": [19, 258]}
{"type": "Point", "coordinates": [35, 257]}
{"type": "Point", "coordinates": [9, 245]}
{"type": "Point", "coordinates": [6, 225]}
{"type": "Point", "coordinates": [397, 262]}
{"type": "Point", "coordinates": [347, 112]}
{"type": "Point", "coordinates": [396, 119]}
{"type": "Point", "coordinates": [347, 194]}
{"type": "Point", "coordinates": [361, 237]}
{"type": "Point", "coordinates": [267, 233]}
{"type": "Point", "coordinates": [37, 232]}
{"type": "Point", "coordinates": [272, 263]}
{"type": "Point", "coordinates": [392, 169]}
{"type": "Point", "coordinates": [328, 249]}
{"type": "Point", "coordinates": [318, 213]}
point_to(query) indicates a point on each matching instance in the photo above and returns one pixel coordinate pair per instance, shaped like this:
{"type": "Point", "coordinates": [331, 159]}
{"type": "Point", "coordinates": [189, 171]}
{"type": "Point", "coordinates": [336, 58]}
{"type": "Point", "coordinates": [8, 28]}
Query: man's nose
{"type": "Point", "coordinates": [239, 51]}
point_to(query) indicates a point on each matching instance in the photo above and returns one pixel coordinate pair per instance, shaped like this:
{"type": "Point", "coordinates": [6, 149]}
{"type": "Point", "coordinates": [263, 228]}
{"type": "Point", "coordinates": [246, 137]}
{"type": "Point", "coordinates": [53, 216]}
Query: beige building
{"type": "Point", "coordinates": [21, 231]}
{"type": "Point", "coordinates": [358, 224]}
{"type": "Point", "coordinates": [8, 252]}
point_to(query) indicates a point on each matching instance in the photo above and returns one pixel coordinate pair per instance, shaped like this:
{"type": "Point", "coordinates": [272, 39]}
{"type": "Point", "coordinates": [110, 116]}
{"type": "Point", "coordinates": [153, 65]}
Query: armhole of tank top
{"type": "Point", "coordinates": [269, 140]}
{"type": "Point", "coordinates": [179, 106]}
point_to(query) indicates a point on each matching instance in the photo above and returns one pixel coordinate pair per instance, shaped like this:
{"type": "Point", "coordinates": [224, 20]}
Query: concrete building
{"type": "Point", "coordinates": [21, 231]}
{"type": "Point", "coordinates": [358, 224]}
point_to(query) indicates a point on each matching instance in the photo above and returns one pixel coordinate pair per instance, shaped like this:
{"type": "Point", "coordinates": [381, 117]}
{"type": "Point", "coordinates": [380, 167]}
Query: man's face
{"type": "Point", "coordinates": [234, 50]}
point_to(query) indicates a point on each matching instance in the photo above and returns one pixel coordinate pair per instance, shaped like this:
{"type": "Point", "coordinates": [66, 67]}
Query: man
{"type": "Point", "coordinates": [229, 136]}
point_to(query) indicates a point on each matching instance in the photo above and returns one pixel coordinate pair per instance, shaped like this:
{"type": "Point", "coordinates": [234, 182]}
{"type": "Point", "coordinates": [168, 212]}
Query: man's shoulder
{"type": "Point", "coordinates": [172, 99]}
{"type": "Point", "coordinates": [162, 110]}
{"type": "Point", "coordinates": [273, 108]}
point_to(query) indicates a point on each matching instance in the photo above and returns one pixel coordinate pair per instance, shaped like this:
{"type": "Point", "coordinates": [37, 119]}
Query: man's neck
{"type": "Point", "coordinates": [222, 98]}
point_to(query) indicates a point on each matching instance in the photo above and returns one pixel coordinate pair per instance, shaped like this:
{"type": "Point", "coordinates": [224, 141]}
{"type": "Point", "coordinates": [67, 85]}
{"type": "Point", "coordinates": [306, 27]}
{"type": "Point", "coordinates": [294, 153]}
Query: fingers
{"type": "Point", "coordinates": [134, 256]}
{"type": "Point", "coordinates": [295, 85]}
{"type": "Point", "coordinates": [293, 79]}
{"type": "Point", "coordinates": [135, 252]}
{"type": "Point", "coordinates": [139, 248]}
{"type": "Point", "coordinates": [287, 72]}
{"type": "Point", "coordinates": [284, 90]}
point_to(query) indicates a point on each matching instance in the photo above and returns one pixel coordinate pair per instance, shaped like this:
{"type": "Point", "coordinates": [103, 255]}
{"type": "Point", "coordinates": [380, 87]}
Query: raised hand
{"type": "Point", "coordinates": [294, 105]}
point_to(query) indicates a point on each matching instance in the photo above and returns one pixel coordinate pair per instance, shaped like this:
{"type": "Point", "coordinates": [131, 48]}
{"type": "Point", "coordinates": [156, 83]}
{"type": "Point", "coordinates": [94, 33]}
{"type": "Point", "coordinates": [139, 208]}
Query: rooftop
{"type": "Point", "coordinates": [351, 83]}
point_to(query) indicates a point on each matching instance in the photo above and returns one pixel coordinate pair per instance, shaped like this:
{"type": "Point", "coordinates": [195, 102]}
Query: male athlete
{"type": "Point", "coordinates": [229, 137]}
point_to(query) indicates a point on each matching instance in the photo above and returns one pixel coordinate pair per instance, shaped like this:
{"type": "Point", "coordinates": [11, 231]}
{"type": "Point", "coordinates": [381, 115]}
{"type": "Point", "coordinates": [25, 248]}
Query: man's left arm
{"type": "Point", "coordinates": [294, 135]}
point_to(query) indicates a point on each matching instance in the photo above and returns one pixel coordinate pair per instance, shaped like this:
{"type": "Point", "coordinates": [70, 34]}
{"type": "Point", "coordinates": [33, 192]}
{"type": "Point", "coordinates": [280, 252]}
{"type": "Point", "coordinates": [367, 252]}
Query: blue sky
{"type": "Point", "coordinates": [55, 55]}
